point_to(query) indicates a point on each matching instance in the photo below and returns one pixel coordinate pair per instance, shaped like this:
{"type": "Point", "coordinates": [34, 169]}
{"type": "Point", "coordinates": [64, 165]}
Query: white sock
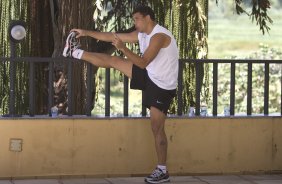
{"type": "Point", "coordinates": [162, 167]}
{"type": "Point", "coordinates": [77, 53]}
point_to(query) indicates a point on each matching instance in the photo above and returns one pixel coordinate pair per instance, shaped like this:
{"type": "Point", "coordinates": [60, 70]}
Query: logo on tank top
{"type": "Point", "coordinates": [159, 102]}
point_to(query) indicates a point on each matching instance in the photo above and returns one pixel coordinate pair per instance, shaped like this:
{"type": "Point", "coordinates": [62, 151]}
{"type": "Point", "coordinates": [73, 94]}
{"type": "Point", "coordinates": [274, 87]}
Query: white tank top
{"type": "Point", "coordinates": [163, 70]}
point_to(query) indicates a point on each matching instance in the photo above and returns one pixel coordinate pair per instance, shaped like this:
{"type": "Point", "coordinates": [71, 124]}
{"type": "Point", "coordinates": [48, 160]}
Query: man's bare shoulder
{"type": "Point", "coordinates": [161, 39]}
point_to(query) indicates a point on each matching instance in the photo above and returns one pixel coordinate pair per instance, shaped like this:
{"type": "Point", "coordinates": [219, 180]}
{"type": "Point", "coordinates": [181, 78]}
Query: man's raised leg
{"type": "Point", "coordinates": [106, 61]}
{"type": "Point", "coordinates": [72, 49]}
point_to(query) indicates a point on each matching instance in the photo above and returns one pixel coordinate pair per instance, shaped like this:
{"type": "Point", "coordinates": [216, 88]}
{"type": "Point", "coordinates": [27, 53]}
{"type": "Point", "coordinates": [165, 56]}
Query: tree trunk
{"type": "Point", "coordinates": [41, 45]}
{"type": "Point", "coordinates": [68, 14]}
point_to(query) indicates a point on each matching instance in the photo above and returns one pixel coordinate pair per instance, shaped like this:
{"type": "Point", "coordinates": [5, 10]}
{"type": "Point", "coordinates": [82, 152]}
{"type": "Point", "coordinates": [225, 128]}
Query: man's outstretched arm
{"type": "Point", "coordinates": [131, 37]}
{"type": "Point", "coordinates": [157, 42]}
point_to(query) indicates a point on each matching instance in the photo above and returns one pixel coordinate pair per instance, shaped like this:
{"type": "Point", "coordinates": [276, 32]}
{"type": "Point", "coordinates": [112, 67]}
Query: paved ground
{"type": "Point", "coordinates": [219, 179]}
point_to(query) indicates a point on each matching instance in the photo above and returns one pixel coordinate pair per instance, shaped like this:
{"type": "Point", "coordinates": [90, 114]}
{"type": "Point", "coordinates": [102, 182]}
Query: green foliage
{"type": "Point", "coordinates": [259, 12]}
{"type": "Point", "coordinates": [265, 53]}
{"type": "Point", "coordinates": [12, 10]}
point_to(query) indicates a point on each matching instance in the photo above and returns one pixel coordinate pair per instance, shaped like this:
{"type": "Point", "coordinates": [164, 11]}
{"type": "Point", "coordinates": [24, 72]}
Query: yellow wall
{"type": "Point", "coordinates": [99, 147]}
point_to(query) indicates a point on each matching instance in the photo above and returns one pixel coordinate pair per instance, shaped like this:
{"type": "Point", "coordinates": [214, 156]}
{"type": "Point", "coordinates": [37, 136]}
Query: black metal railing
{"type": "Point", "coordinates": [89, 84]}
{"type": "Point", "coordinates": [233, 64]}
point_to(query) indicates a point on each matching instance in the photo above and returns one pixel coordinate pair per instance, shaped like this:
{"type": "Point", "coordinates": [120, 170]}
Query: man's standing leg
{"type": "Point", "coordinates": [160, 174]}
{"type": "Point", "coordinates": [158, 128]}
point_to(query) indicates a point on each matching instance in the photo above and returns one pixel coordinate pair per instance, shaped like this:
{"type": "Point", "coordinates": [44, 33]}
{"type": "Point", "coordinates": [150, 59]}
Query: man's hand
{"type": "Point", "coordinates": [118, 43]}
{"type": "Point", "coordinates": [80, 32]}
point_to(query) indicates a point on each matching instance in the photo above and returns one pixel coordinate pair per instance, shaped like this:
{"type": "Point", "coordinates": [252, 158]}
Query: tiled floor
{"type": "Point", "coordinates": [218, 179]}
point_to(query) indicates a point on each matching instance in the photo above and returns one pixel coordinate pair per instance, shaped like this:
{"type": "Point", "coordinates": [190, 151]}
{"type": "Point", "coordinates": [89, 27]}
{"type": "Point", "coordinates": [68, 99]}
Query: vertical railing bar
{"type": "Point", "coordinates": [107, 92]}
{"type": "Point", "coordinates": [50, 87]}
{"type": "Point", "coordinates": [125, 96]}
{"type": "Point", "coordinates": [198, 87]}
{"type": "Point", "coordinates": [266, 88]}
{"type": "Point", "coordinates": [144, 112]}
{"type": "Point", "coordinates": [70, 88]}
{"type": "Point", "coordinates": [31, 89]}
{"type": "Point", "coordinates": [89, 86]}
{"type": "Point", "coordinates": [12, 80]}
{"type": "Point", "coordinates": [215, 88]}
{"type": "Point", "coordinates": [249, 89]}
{"type": "Point", "coordinates": [232, 88]}
{"type": "Point", "coordinates": [180, 89]}
{"type": "Point", "coordinates": [281, 89]}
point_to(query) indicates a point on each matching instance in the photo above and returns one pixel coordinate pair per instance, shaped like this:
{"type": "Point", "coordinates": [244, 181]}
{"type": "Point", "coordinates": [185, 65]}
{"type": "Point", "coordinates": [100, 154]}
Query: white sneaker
{"type": "Point", "coordinates": [72, 43]}
{"type": "Point", "coordinates": [157, 176]}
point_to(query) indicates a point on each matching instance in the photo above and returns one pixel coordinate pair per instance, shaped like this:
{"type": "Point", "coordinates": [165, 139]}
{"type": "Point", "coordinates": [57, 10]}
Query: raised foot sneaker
{"type": "Point", "coordinates": [72, 43]}
{"type": "Point", "coordinates": [157, 177]}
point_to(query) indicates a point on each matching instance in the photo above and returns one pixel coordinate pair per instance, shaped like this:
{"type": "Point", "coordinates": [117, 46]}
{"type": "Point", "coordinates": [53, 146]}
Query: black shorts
{"type": "Point", "coordinates": [153, 95]}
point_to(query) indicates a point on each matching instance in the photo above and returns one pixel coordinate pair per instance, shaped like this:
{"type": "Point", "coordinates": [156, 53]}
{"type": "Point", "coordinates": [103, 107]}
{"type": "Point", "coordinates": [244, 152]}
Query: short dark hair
{"type": "Point", "coordinates": [144, 10]}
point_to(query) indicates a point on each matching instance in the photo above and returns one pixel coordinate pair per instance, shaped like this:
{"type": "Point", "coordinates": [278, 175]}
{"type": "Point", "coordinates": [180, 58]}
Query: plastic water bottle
{"type": "Point", "coordinates": [204, 111]}
{"type": "Point", "coordinates": [226, 111]}
{"type": "Point", "coordinates": [54, 112]}
{"type": "Point", "coordinates": [191, 111]}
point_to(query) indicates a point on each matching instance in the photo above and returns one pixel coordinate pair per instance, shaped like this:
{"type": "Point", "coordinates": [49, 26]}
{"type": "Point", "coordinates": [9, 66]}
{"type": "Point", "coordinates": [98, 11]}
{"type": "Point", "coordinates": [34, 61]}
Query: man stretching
{"type": "Point", "coordinates": [155, 72]}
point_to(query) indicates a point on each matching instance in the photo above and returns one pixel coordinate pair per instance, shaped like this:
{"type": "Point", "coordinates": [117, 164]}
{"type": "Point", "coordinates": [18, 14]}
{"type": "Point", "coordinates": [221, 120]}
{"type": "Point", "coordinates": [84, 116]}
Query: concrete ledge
{"type": "Point", "coordinates": [262, 179]}
{"type": "Point", "coordinates": [125, 147]}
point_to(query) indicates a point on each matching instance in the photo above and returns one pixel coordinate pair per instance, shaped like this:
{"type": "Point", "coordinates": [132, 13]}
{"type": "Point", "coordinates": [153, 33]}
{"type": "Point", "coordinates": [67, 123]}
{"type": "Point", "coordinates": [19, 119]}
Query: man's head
{"type": "Point", "coordinates": [142, 16]}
